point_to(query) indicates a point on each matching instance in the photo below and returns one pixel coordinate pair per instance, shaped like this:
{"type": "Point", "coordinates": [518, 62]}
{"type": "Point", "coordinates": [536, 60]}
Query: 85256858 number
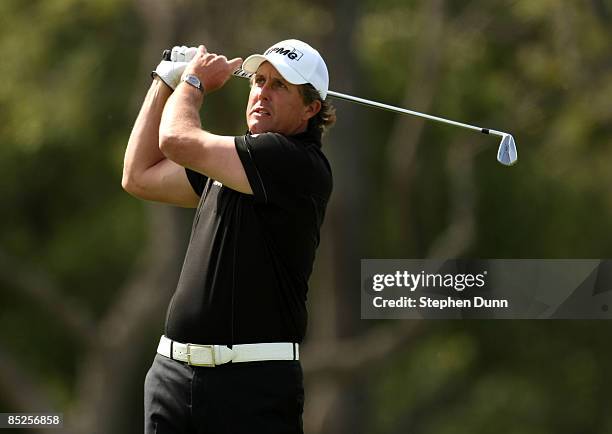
{"type": "Point", "coordinates": [30, 420]}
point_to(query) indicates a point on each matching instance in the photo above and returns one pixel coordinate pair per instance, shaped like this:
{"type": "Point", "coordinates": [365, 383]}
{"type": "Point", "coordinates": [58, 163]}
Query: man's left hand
{"type": "Point", "coordinates": [212, 70]}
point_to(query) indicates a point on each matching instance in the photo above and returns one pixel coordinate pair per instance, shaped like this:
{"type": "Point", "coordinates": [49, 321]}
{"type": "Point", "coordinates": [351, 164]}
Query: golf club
{"type": "Point", "coordinates": [506, 153]}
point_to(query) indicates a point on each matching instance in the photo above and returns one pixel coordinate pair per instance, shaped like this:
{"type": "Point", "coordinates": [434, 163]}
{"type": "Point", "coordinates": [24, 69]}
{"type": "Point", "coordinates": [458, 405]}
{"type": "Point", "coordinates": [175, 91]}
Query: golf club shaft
{"type": "Point", "coordinates": [243, 74]}
{"type": "Point", "coordinates": [395, 109]}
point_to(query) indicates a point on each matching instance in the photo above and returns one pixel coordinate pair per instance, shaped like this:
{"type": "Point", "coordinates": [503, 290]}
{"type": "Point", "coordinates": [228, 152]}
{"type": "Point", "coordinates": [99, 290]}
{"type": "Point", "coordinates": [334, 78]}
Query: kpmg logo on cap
{"type": "Point", "coordinates": [290, 52]}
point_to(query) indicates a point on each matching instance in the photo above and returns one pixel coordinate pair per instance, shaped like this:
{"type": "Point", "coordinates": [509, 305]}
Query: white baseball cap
{"type": "Point", "coordinates": [296, 61]}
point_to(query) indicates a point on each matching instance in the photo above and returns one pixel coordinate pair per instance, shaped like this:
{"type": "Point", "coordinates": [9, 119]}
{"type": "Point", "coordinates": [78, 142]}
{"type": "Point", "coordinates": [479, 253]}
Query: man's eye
{"type": "Point", "coordinates": [259, 80]}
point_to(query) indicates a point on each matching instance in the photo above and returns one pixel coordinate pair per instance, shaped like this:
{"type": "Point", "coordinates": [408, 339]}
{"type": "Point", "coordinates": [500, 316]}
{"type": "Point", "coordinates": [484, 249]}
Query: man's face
{"type": "Point", "coordinates": [275, 105]}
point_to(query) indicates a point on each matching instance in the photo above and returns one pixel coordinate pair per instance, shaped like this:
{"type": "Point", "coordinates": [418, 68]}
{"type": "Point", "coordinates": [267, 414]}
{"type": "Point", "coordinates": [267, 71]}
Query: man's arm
{"type": "Point", "coordinates": [147, 173]}
{"type": "Point", "coordinates": [181, 138]}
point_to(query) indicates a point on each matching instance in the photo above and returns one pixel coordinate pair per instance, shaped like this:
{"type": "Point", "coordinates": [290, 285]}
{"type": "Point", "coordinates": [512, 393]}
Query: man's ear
{"type": "Point", "coordinates": [312, 109]}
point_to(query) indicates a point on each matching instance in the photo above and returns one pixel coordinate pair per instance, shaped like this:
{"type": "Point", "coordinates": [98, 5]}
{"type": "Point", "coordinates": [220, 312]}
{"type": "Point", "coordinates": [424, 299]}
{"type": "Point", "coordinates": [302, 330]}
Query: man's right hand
{"type": "Point", "coordinates": [170, 71]}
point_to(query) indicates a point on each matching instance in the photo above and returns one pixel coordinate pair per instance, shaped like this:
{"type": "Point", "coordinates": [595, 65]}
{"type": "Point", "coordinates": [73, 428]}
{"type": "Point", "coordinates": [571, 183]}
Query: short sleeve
{"type": "Point", "coordinates": [197, 181]}
{"type": "Point", "coordinates": [276, 167]}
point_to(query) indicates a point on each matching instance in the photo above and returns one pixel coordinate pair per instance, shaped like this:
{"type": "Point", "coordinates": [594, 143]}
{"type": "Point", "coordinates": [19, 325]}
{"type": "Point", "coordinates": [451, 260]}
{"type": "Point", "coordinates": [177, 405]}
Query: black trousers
{"type": "Point", "coordinates": [240, 398]}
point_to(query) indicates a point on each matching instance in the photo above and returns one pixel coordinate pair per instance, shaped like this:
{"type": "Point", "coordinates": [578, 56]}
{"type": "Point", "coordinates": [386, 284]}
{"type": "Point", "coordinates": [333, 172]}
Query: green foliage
{"type": "Point", "coordinates": [539, 70]}
{"type": "Point", "coordinates": [64, 93]}
{"type": "Point", "coordinates": [67, 75]}
{"type": "Point", "coordinates": [496, 376]}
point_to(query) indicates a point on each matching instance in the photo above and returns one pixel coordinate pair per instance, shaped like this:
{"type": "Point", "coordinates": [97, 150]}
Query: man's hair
{"type": "Point", "coordinates": [325, 119]}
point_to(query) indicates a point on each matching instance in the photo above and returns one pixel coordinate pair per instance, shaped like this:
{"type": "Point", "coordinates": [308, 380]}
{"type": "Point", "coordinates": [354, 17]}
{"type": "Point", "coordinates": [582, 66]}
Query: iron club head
{"type": "Point", "coordinates": [506, 154]}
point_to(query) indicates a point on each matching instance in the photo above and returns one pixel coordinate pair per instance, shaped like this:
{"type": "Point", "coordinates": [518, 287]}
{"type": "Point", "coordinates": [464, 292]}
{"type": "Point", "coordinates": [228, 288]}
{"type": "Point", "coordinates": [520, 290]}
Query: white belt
{"type": "Point", "coordinates": [212, 355]}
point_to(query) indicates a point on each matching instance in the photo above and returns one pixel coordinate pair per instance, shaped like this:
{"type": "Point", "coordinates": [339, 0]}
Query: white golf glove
{"type": "Point", "coordinates": [170, 71]}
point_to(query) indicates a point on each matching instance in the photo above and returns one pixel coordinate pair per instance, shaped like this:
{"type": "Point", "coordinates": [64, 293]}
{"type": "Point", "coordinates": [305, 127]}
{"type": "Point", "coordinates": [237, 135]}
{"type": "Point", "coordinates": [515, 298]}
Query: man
{"type": "Point", "coordinates": [228, 361]}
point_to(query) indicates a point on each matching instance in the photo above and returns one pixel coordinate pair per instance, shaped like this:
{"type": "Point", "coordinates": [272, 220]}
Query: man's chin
{"type": "Point", "coordinates": [259, 128]}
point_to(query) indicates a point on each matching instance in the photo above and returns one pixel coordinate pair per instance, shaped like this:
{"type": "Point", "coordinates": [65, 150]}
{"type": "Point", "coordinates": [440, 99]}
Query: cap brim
{"type": "Point", "coordinates": [252, 63]}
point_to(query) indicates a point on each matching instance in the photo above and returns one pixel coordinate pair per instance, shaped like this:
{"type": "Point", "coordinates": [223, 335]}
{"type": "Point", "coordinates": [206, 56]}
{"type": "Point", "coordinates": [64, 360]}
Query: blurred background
{"type": "Point", "coordinates": [86, 271]}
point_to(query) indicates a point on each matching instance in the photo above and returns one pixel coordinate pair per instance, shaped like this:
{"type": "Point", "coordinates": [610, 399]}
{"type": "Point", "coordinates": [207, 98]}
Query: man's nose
{"type": "Point", "coordinates": [264, 91]}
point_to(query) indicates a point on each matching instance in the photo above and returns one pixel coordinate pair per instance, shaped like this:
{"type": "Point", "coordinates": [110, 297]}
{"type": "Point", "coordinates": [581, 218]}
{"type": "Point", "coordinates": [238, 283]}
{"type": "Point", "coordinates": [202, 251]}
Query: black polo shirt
{"type": "Point", "coordinates": [245, 274]}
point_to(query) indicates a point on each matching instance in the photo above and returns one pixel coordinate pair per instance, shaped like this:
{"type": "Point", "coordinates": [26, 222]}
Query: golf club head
{"type": "Point", "coordinates": [506, 154]}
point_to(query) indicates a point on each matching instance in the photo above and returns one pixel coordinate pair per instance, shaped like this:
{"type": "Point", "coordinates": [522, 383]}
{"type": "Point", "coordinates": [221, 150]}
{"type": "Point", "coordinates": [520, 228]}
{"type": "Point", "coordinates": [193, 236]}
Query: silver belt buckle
{"type": "Point", "coordinates": [212, 356]}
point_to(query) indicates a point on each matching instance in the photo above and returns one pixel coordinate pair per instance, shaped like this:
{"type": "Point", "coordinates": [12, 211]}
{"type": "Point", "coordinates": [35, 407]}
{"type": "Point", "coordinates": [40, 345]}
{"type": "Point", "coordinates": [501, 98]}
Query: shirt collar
{"type": "Point", "coordinates": [311, 135]}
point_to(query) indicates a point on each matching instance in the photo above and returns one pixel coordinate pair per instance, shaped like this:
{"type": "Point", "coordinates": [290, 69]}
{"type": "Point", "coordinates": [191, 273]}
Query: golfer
{"type": "Point", "coordinates": [228, 361]}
